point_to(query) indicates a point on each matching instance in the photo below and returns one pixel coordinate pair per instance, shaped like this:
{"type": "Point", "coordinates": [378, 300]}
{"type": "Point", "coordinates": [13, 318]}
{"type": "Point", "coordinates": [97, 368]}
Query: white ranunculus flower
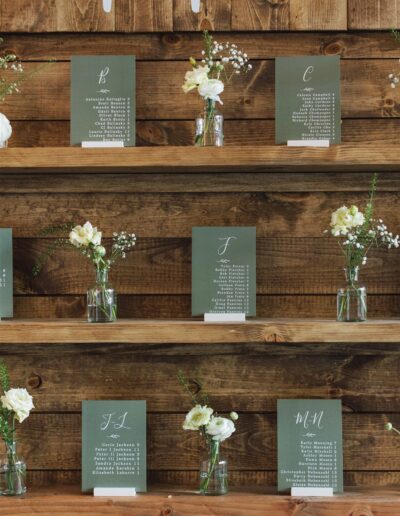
{"type": "Point", "coordinates": [5, 129]}
{"type": "Point", "coordinates": [195, 77]}
{"type": "Point", "coordinates": [344, 219]}
{"type": "Point", "coordinates": [197, 417]}
{"type": "Point", "coordinates": [211, 89]}
{"type": "Point", "coordinates": [83, 236]}
{"type": "Point", "coordinates": [18, 401]}
{"type": "Point", "coordinates": [220, 428]}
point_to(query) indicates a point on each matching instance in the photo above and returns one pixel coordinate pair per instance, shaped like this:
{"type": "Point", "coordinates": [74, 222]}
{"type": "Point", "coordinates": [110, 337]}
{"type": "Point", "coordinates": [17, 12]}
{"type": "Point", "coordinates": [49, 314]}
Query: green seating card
{"type": "Point", "coordinates": [310, 444]}
{"type": "Point", "coordinates": [223, 270]}
{"type": "Point", "coordinates": [103, 99]}
{"type": "Point", "coordinates": [307, 98]}
{"type": "Point", "coordinates": [6, 273]}
{"type": "Point", "coordinates": [113, 444]}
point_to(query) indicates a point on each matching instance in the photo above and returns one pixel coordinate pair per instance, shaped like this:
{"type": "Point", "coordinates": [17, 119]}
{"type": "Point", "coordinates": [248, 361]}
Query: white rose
{"type": "Point", "coordinates": [220, 428]}
{"type": "Point", "coordinates": [18, 401]}
{"type": "Point", "coordinates": [195, 77]}
{"type": "Point", "coordinates": [83, 236]}
{"type": "Point", "coordinates": [5, 129]}
{"type": "Point", "coordinates": [344, 219]}
{"type": "Point", "coordinates": [197, 417]}
{"type": "Point", "coordinates": [211, 89]}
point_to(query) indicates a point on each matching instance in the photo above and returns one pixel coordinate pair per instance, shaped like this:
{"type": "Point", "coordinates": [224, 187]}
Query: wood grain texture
{"type": "Point", "coordinates": [181, 133]}
{"type": "Point", "coordinates": [183, 501]}
{"type": "Point", "coordinates": [345, 157]}
{"type": "Point", "coordinates": [251, 380]}
{"type": "Point", "coordinates": [270, 182]}
{"type": "Point", "coordinates": [374, 14]}
{"type": "Point", "coordinates": [55, 16]}
{"type": "Point", "coordinates": [163, 266]}
{"type": "Point", "coordinates": [190, 478]}
{"type": "Point", "coordinates": [179, 46]}
{"type": "Point", "coordinates": [214, 15]}
{"type": "Point", "coordinates": [284, 216]}
{"type": "Point", "coordinates": [169, 306]}
{"type": "Point", "coordinates": [260, 15]}
{"type": "Point", "coordinates": [366, 92]}
{"type": "Point", "coordinates": [136, 331]}
{"type": "Point", "coordinates": [144, 15]}
{"type": "Point", "coordinates": [366, 444]}
{"type": "Point", "coordinates": [318, 15]}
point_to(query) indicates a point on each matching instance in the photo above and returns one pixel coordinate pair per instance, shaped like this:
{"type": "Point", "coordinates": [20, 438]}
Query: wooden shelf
{"type": "Point", "coordinates": [67, 331]}
{"type": "Point", "coordinates": [69, 500]}
{"type": "Point", "coordinates": [346, 157]}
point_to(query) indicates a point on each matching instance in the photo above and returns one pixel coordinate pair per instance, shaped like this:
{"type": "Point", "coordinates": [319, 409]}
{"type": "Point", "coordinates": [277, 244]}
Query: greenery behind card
{"type": "Point", "coordinates": [307, 97]}
{"type": "Point", "coordinates": [224, 270]}
{"type": "Point", "coordinates": [103, 99]}
{"type": "Point", "coordinates": [6, 273]}
{"type": "Point", "coordinates": [310, 444]}
{"type": "Point", "coordinates": [113, 444]}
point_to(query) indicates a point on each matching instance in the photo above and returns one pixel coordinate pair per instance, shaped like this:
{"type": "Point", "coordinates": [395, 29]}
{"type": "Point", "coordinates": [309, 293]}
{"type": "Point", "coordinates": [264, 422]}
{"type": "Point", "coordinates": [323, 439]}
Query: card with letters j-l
{"type": "Point", "coordinates": [103, 99]}
{"type": "Point", "coordinates": [113, 444]}
{"type": "Point", "coordinates": [6, 273]}
{"type": "Point", "coordinates": [307, 98]}
{"type": "Point", "coordinates": [223, 270]}
{"type": "Point", "coordinates": [310, 444]}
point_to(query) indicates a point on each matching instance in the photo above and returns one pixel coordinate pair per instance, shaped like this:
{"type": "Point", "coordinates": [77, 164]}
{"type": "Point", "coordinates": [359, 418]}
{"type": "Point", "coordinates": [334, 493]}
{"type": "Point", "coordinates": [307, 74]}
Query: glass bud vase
{"type": "Point", "coordinates": [352, 299]}
{"type": "Point", "coordinates": [209, 127]}
{"type": "Point", "coordinates": [12, 473]}
{"type": "Point", "coordinates": [213, 473]}
{"type": "Point", "coordinates": [102, 300]}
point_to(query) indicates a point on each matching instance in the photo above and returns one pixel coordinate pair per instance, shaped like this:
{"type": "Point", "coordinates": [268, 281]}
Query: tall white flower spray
{"type": "Point", "coordinates": [204, 419]}
{"type": "Point", "coordinates": [220, 62]}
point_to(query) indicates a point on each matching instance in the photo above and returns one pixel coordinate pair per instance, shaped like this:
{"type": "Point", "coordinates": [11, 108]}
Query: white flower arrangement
{"type": "Point", "coordinates": [5, 129]}
{"type": "Point", "coordinates": [214, 428]}
{"type": "Point", "coordinates": [358, 231]}
{"type": "Point", "coordinates": [88, 240]}
{"type": "Point", "coordinates": [15, 405]}
{"type": "Point", "coordinates": [219, 62]}
{"type": "Point", "coordinates": [9, 61]}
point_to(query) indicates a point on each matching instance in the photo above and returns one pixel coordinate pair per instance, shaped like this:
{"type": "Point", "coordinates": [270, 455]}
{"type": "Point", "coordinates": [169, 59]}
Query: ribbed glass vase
{"type": "Point", "coordinates": [101, 300]}
{"type": "Point", "coordinates": [352, 298]}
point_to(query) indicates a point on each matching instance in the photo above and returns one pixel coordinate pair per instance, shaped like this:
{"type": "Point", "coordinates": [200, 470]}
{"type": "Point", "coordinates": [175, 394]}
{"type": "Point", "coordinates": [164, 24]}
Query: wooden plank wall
{"type": "Point", "coordinates": [298, 268]}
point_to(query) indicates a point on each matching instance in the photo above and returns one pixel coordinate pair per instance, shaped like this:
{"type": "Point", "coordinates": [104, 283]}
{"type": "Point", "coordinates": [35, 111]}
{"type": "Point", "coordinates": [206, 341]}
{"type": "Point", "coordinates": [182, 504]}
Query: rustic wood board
{"type": "Point", "coordinates": [253, 379]}
{"type": "Point", "coordinates": [374, 14]}
{"type": "Point", "coordinates": [178, 46]}
{"type": "Point", "coordinates": [345, 157]}
{"type": "Point", "coordinates": [37, 133]}
{"type": "Point", "coordinates": [365, 92]}
{"type": "Point", "coordinates": [367, 446]}
{"type": "Point", "coordinates": [181, 501]}
{"type": "Point", "coordinates": [24, 332]}
{"type": "Point", "coordinates": [167, 306]}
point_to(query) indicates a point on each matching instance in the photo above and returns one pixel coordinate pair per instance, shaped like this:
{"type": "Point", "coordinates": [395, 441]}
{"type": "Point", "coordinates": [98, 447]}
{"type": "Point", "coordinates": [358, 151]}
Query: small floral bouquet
{"type": "Point", "coordinates": [8, 61]}
{"type": "Point", "coordinates": [101, 300]}
{"type": "Point", "coordinates": [357, 233]}
{"type": "Point", "coordinates": [15, 405]}
{"type": "Point", "coordinates": [394, 77]}
{"type": "Point", "coordinates": [215, 429]}
{"type": "Point", "coordinates": [220, 62]}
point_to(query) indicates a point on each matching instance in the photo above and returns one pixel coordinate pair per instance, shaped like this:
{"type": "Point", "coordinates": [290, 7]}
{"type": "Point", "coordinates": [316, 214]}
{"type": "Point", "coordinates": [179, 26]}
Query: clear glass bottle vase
{"type": "Point", "coordinates": [101, 300]}
{"type": "Point", "coordinates": [213, 472]}
{"type": "Point", "coordinates": [12, 472]}
{"type": "Point", "coordinates": [209, 127]}
{"type": "Point", "coordinates": [352, 298]}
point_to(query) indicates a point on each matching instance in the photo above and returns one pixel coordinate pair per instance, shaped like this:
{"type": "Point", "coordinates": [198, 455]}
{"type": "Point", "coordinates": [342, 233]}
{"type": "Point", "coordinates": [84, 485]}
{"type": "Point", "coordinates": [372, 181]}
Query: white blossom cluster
{"type": "Point", "coordinates": [394, 78]}
{"type": "Point", "coordinates": [9, 61]}
{"type": "Point", "coordinates": [123, 242]}
{"type": "Point", "coordinates": [227, 54]}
